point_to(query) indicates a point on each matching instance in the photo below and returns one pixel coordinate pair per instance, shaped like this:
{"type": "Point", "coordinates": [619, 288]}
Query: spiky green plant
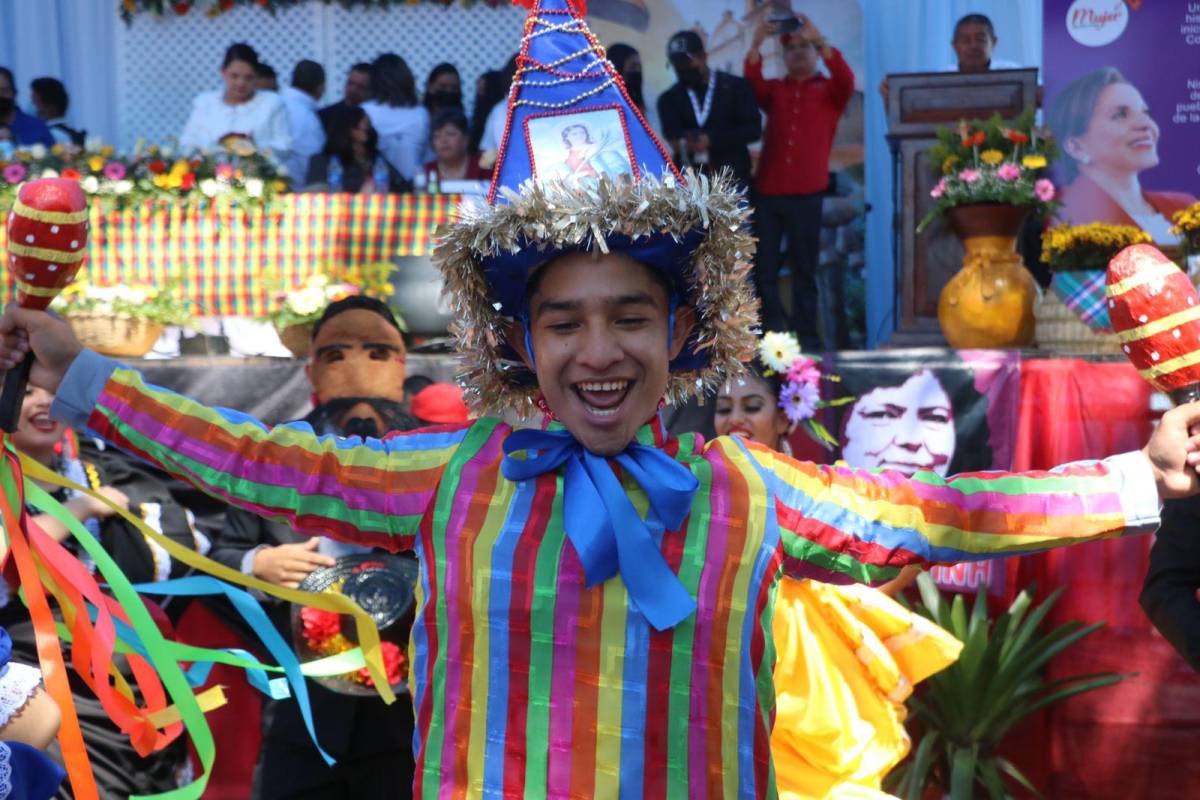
{"type": "Point", "coordinates": [964, 712]}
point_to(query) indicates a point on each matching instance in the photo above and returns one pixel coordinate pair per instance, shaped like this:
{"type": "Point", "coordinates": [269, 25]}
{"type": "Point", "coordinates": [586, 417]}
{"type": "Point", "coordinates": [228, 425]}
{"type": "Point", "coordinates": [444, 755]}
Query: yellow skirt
{"type": "Point", "coordinates": [846, 659]}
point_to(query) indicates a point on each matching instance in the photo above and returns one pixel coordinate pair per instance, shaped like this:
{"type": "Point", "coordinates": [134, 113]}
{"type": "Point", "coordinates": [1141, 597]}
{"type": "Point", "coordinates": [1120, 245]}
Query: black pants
{"type": "Point", "coordinates": [818, 307]}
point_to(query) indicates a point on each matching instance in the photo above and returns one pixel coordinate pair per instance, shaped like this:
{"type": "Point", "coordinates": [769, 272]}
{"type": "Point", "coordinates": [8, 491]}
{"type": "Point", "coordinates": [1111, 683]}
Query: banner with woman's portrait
{"type": "Point", "coordinates": [1122, 98]}
{"type": "Point", "coordinates": [940, 410]}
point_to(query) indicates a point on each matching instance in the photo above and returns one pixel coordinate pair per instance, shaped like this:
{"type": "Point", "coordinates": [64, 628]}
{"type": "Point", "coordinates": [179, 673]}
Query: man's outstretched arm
{"type": "Point", "coordinates": [369, 492]}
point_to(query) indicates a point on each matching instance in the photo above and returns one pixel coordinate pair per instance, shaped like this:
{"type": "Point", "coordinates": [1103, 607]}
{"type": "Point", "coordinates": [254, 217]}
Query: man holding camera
{"type": "Point", "coordinates": [708, 117]}
{"type": "Point", "coordinates": [803, 109]}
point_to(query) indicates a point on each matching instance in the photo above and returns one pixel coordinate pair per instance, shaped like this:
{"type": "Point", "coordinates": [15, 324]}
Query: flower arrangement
{"type": "Point", "coordinates": [1187, 225]}
{"type": "Point", "coordinates": [800, 375]}
{"type": "Point", "coordinates": [322, 631]}
{"type": "Point", "coordinates": [992, 161]}
{"type": "Point", "coordinates": [237, 174]}
{"type": "Point", "coordinates": [215, 8]}
{"type": "Point", "coordinates": [304, 304]}
{"type": "Point", "coordinates": [164, 306]}
{"type": "Point", "coordinates": [1071, 248]}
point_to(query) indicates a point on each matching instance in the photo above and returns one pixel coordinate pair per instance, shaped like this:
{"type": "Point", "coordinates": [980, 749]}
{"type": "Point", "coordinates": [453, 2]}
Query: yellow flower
{"type": "Point", "coordinates": [180, 167]}
{"type": "Point", "coordinates": [57, 149]}
{"type": "Point", "coordinates": [106, 151]}
{"type": "Point", "coordinates": [95, 163]}
{"type": "Point", "coordinates": [949, 165]}
{"type": "Point", "coordinates": [1034, 161]}
{"type": "Point", "coordinates": [279, 186]}
{"type": "Point", "coordinates": [991, 157]}
{"type": "Point", "coordinates": [23, 155]}
{"type": "Point", "coordinates": [161, 181]}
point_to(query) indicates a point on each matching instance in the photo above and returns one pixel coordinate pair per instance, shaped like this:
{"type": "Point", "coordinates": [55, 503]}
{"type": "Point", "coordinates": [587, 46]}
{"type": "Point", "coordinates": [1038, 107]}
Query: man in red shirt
{"type": "Point", "coordinates": [802, 110]}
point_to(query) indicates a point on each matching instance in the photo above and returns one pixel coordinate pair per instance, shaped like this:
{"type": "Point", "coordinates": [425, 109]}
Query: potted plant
{"type": "Point", "coordinates": [992, 178]}
{"type": "Point", "coordinates": [1073, 316]}
{"type": "Point", "coordinates": [963, 713]}
{"type": "Point", "coordinates": [298, 308]}
{"type": "Point", "coordinates": [1187, 227]}
{"type": "Point", "coordinates": [124, 319]}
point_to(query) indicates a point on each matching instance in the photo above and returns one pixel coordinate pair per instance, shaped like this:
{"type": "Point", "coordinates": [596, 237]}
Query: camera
{"type": "Point", "coordinates": [787, 24]}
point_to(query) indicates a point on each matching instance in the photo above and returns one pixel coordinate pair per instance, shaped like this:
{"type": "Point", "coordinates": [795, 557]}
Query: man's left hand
{"type": "Point", "coordinates": [810, 32]}
{"type": "Point", "coordinates": [1174, 452]}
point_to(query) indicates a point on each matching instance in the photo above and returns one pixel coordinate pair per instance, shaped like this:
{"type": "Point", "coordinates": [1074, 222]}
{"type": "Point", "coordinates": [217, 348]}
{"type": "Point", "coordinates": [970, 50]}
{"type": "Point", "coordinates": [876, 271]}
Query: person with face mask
{"type": "Point", "coordinates": [803, 109]}
{"type": "Point", "coordinates": [708, 117]}
{"type": "Point", "coordinates": [846, 656]}
{"type": "Point", "coordinates": [628, 63]}
{"type": "Point", "coordinates": [443, 89]}
{"type": "Point", "coordinates": [18, 129]}
{"type": "Point", "coordinates": [357, 374]}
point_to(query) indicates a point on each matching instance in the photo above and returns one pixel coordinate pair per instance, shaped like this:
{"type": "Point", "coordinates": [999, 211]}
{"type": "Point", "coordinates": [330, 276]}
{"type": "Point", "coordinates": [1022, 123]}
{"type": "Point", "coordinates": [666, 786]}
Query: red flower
{"type": "Point", "coordinates": [225, 5]}
{"type": "Point", "coordinates": [181, 8]}
{"type": "Point", "coordinates": [157, 166]}
{"type": "Point", "coordinates": [319, 625]}
{"type": "Point", "coordinates": [73, 174]}
{"type": "Point", "coordinates": [1016, 137]}
{"type": "Point", "coordinates": [395, 665]}
{"type": "Point", "coordinates": [187, 181]}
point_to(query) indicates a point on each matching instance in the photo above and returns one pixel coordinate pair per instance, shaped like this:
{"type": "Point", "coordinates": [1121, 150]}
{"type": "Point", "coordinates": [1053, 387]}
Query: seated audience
{"type": "Point", "coordinates": [351, 161]}
{"type": "Point", "coordinates": [265, 78]}
{"type": "Point", "coordinates": [402, 124]}
{"type": "Point", "coordinates": [238, 110]}
{"type": "Point", "coordinates": [449, 137]}
{"type": "Point", "coordinates": [18, 129]}
{"type": "Point", "coordinates": [488, 92]}
{"type": "Point", "coordinates": [497, 114]}
{"type": "Point", "coordinates": [50, 101]}
{"type": "Point", "coordinates": [443, 88]}
{"type": "Point", "coordinates": [354, 93]}
{"type": "Point", "coordinates": [300, 99]}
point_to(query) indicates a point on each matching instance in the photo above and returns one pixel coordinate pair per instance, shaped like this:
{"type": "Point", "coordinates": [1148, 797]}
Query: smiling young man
{"type": "Point", "coordinates": [596, 597]}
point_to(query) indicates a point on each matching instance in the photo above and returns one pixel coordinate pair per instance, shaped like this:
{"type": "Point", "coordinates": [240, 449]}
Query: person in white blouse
{"type": "Point", "coordinates": [238, 109]}
{"type": "Point", "coordinates": [402, 123]}
{"type": "Point", "coordinates": [308, 136]}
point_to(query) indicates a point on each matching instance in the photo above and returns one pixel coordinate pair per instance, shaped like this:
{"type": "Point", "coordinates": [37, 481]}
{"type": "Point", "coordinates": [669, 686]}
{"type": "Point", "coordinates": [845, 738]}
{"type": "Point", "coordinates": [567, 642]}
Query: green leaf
{"type": "Point", "coordinates": [1010, 769]}
{"type": "Point", "coordinates": [962, 773]}
{"type": "Point", "coordinates": [990, 775]}
{"type": "Point", "coordinates": [922, 760]}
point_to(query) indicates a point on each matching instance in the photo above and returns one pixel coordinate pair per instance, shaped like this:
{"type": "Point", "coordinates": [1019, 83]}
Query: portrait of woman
{"type": "Point", "coordinates": [1108, 137]}
{"type": "Point", "coordinates": [931, 418]}
{"type": "Point", "coordinates": [588, 159]}
{"type": "Point", "coordinates": [579, 147]}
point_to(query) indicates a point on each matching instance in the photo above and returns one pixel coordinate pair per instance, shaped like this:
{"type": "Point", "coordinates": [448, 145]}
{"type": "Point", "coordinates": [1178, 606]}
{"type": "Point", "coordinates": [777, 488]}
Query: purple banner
{"type": "Point", "coordinates": [1122, 96]}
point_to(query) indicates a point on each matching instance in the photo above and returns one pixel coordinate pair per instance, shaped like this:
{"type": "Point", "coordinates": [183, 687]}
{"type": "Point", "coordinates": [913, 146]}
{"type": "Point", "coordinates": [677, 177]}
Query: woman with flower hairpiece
{"type": "Point", "coordinates": [846, 656]}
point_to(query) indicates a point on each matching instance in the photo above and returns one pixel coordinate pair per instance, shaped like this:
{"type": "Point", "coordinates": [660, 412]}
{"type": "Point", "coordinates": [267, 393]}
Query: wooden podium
{"type": "Point", "coordinates": [918, 104]}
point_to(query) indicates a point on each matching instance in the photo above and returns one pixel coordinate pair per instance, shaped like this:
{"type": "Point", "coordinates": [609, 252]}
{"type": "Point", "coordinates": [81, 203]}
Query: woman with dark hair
{"type": "Point", "coordinates": [846, 656]}
{"type": "Point", "coordinates": [497, 114]}
{"type": "Point", "coordinates": [401, 123]}
{"type": "Point", "coordinates": [452, 160]}
{"type": "Point", "coordinates": [488, 91]}
{"type": "Point", "coordinates": [239, 110]}
{"type": "Point", "coordinates": [350, 161]}
{"type": "Point", "coordinates": [443, 88]}
{"type": "Point", "coordinates": [628, 64]}
{"type": "Point", "coordinates": [1108, 137]}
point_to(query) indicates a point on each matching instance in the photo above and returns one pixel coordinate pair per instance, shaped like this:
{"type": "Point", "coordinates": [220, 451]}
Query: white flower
{"type": "Point", "coordinates": [90, 184]}
{"type": "Point", "coordinates": [38, 151]}
{"type": "Point", "coordinates": [208, 187]}
{"type": "Point", "coordinates": [123, 186]}
{"type": "Point", "coordinates": [254, 187]}
{"type": "Point", "coordinates": [165, 151]}
{"type": "Point", "coordinates": [307, 301]}
{"type": "Point", "coordinates": [93, 144]}
{"type": "Point", "coordinates": [49, 173]}
{"type": "Point", "coordinates": [778, 350]}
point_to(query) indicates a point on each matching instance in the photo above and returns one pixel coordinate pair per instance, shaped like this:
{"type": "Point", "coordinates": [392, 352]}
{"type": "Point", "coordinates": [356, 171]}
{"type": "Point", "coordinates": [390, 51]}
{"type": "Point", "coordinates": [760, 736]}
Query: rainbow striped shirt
{"type": "Point", "coordinates": [529, 684]}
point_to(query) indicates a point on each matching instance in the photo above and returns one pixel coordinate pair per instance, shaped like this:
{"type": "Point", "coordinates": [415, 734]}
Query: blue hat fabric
{"type": "Point", "coordinates": [580, 170]}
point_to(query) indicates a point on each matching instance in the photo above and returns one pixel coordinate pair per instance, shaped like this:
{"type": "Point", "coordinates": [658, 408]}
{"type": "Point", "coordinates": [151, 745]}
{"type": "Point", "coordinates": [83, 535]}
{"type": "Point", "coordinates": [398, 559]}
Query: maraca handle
{"type": "Point", "coordinates": [12, 397]}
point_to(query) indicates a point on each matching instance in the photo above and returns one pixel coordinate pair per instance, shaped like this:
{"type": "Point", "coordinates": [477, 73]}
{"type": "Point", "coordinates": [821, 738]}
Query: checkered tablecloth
{"type": "Point", "coordinates": [1084, 293]}
{"type": "Point", "coordinates": [229, 261]}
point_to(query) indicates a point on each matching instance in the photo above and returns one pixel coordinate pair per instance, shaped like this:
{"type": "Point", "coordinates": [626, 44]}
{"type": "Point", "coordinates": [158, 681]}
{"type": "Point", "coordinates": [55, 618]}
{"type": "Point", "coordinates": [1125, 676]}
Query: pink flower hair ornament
{"type": "Point", "coordinates": [800, 376]}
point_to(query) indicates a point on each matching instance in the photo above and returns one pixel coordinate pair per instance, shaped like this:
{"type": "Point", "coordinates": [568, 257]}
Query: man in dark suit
{"type": "Point", "coordinates": [1171, 592]}
{"type": "Point", "coordinates": [358, 87]}
{"type": "Point", "coordinates": [708, 117]}
{"type": "Point", "coordinates": [357, 372]}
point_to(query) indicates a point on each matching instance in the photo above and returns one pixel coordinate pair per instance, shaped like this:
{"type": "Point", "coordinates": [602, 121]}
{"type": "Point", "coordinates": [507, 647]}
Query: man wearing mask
{"type": "Point", "coordinates": [709, 117]}
{"type": "Point", "coordinates": [18, 129]}
{"type": "Point", "coordinates": [357, 372]}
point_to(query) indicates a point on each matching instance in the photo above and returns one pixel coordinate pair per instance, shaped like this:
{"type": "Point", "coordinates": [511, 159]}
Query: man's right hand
{"type": "Point", "coordinates": [765, 29]}
{"type": "Point", "coordinates": [288, 564]}
{"type": "Point", "coordinates": [51, 340]}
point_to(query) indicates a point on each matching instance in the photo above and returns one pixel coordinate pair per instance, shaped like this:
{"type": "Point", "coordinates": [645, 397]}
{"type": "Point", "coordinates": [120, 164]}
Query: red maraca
{"type": "Point", "coordinates": [47, 242]}
{"type": "Point", "coordinates": [1155, 312]}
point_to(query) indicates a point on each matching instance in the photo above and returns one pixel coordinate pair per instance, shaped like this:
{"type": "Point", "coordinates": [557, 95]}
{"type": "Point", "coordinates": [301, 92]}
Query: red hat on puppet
{"type": "Point", "coordinates": [439, 403]}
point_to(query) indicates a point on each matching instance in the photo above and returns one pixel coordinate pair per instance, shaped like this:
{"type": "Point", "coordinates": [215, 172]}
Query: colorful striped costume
{"type": "Point", "coordinates": [528, 684]}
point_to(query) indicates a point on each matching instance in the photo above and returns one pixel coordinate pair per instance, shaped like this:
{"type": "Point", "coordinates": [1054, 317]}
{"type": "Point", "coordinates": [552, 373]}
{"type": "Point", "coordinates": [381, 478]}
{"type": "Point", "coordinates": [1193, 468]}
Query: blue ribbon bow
{"type": "Point", "coordinates": [601, 522]}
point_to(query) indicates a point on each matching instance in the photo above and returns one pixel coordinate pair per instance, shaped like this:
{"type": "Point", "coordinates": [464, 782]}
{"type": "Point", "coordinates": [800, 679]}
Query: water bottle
{"type": "Point", "coordinates": [419, 182]}
{"type": "Point", "coordinates": [433, 182]}
{"type": "Point", "coordinates": [381, 177]}
{"type": "Point", "coordinates": [333, 174]}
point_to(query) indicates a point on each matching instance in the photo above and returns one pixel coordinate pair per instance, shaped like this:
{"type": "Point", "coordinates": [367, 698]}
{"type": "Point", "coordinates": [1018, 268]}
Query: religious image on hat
{"type": "Point", "coordinates": [580, 170]}
{"type": "Point", "coordinates": [383, 585]}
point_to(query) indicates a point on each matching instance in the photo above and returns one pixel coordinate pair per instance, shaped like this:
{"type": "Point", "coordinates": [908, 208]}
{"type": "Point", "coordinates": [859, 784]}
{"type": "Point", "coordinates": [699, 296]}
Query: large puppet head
{"type": "Point", "coordinates": [581, 173]}
{"type": "Point", "coordinates": [357, 365]}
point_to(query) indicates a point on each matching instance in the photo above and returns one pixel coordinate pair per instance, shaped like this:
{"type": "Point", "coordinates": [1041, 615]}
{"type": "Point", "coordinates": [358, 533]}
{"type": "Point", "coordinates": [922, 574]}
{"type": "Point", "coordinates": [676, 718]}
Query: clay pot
{"type": "Point", "coordinates": [989, 302]}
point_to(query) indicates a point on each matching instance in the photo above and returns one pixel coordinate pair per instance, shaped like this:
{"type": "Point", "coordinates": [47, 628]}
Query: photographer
{"type": "Point", "coordinates": [708, 117]}
{"type": "Point", "coordinates": [803, 109]}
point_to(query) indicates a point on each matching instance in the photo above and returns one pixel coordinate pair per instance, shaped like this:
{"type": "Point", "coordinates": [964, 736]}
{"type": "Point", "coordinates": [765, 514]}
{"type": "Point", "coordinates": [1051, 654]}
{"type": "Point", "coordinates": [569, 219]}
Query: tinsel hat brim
{"type": "Point", "coordinates": [697, 228]}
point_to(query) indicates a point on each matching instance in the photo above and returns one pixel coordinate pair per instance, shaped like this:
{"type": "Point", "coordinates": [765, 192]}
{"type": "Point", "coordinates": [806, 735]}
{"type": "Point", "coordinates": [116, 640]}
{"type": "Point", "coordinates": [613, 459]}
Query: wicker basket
{"type": "Point", "coordinates": [297, 338]}
{"type": "Point", "coordinates": [1060, 331]}
{"type": "Point", "coordinates": [115, 335]}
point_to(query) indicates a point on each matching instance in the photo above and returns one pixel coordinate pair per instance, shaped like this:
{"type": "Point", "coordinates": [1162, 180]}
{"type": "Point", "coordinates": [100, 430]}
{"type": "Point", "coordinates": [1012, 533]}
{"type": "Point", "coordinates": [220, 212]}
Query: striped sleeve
{"type": "Point", "coordinates": [371, 492]}
{"type": "Point", "coordinates": [866, 524]}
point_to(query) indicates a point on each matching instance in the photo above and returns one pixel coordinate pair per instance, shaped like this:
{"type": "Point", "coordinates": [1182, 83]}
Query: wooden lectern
{"type": "Point", "coordinates": [918, 104]}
